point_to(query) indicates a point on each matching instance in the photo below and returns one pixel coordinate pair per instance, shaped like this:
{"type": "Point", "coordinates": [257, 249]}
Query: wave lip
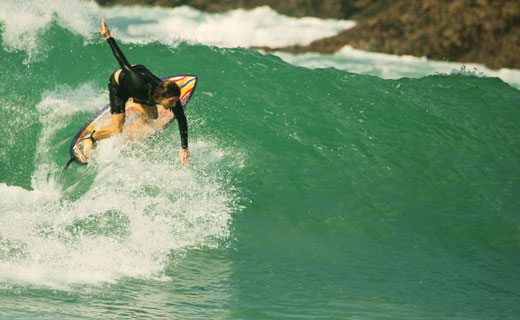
{"type": "Point", "coordinates": [24, 22]}
{"type": "Point", "coordinates": [389, 66]}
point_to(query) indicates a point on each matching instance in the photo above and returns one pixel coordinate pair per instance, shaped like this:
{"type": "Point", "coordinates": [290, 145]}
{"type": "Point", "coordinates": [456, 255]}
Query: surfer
{"type": "Point", "coordinates": [146, 91]}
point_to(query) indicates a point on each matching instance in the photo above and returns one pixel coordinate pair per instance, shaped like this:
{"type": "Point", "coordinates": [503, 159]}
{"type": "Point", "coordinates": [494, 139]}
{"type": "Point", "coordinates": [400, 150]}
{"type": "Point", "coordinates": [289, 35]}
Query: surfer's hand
{"type": "Point", "coordinates": [184, 156]}
{"type": "Point", "coordinates": [105, 32]}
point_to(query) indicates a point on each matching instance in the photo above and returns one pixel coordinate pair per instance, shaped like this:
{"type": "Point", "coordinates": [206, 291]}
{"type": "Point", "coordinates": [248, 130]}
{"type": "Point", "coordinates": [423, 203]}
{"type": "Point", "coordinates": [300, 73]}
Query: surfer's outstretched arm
{"type": "Point", "coordinates": [178, 112]}
{"type": "Point", "coordinates": [113, 45]}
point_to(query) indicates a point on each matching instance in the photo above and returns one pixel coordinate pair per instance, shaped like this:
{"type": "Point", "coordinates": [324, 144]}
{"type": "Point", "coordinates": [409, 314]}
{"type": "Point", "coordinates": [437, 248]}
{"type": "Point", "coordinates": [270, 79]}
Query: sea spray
{"type": "Point", "coordinates": [128, 221]}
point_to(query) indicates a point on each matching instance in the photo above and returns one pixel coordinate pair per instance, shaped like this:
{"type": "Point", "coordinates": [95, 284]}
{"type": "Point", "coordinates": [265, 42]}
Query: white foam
{"type": "Point", "coordinates": [394, 67]}
{"type": "Point", "coordinates": [258, 27]}
{"type": "Point", "coordinates": [124, 216]}
{"type": "Point", "coordinates": [23, 22]}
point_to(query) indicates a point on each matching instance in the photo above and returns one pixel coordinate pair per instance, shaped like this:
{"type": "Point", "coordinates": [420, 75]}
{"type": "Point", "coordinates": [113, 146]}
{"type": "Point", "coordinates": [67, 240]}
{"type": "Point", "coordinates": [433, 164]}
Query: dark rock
{"type": "Point", "coordinates": [480, 31]}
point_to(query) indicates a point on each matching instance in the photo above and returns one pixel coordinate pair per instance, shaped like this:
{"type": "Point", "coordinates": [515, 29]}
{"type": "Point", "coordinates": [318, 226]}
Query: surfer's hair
{"type": "Point", "coordinates": [166, 89]}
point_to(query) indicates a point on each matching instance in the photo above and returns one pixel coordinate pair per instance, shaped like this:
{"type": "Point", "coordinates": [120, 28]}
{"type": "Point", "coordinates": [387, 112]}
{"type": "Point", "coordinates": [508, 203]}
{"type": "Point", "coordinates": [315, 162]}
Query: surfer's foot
{"type": "Point", "coordinates": [184, 156]}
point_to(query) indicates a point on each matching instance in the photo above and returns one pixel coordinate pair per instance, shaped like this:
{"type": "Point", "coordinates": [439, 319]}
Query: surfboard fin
{"type": "Point", "coordinates": [71, 160]}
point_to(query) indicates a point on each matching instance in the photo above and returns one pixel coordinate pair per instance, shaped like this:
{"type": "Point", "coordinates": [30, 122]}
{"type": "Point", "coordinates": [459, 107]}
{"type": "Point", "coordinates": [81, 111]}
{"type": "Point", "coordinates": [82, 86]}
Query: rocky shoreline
{"type": "Point", "coordinates": [467, 31]}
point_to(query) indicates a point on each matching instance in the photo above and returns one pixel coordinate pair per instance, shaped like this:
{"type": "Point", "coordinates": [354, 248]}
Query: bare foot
{"type": "Point", "coordinates": [184, 156]}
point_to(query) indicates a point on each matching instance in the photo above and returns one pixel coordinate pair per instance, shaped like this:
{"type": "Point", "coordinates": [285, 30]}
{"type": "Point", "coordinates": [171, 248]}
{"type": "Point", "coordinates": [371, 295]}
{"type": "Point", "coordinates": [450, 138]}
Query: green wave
{"type": "Point", "coordinates": [352, 188]}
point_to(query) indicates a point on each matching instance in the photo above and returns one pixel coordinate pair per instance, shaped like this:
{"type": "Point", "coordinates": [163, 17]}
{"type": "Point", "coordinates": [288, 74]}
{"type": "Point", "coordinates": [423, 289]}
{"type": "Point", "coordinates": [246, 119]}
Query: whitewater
{"type": "Point", "coordinates": [354, 185]}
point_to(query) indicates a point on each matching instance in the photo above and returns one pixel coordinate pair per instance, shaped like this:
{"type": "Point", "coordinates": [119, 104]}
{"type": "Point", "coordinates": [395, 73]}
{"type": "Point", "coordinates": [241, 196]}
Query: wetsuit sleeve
{"type": "Point", "coordinates": [118, 54]}
{"type": "Point", "coordinates": [178, 112]}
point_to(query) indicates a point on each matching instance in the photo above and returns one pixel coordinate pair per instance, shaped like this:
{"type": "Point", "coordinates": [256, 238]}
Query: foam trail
{"type": "Point", "coordinates": [132, 216]}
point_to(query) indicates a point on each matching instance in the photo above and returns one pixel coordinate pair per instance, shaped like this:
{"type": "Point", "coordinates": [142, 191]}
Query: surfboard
{"type": "Point", "coordinates": [136, 128]}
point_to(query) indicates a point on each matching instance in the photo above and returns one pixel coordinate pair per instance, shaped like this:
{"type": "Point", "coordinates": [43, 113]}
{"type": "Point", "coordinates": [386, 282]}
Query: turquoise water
{"type": "Point", "coordinates": [312, 193]}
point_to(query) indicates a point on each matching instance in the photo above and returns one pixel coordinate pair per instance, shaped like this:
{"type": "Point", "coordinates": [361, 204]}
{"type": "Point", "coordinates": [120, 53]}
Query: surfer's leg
{"type": "Point", "coordinates": [116, 126]}
{"type": "Point", "coordinates": [117, 109]}
{"type": "Point", "coordinates": [131, 105]}
{"type": "Point", "coordinates": [146, 112]}
{"type": "Point", "coordinates": [118, 97]}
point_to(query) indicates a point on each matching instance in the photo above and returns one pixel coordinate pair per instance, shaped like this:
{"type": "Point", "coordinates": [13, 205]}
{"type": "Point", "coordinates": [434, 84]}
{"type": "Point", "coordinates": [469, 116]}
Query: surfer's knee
{"type": "Point", "coordinates": [118, 121]}
{"type": "Point", "coordinates": [117, 127]}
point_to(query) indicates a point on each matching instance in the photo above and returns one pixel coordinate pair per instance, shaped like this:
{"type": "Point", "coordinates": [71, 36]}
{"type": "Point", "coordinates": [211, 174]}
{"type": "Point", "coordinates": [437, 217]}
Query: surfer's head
{"type": "Point", "coordinates": [167, 94]}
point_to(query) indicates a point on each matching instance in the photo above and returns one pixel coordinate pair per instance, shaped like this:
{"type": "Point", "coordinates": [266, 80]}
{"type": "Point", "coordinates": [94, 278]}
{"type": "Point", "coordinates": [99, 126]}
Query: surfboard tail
{"type": "Point", "coordinates": [64, 170]}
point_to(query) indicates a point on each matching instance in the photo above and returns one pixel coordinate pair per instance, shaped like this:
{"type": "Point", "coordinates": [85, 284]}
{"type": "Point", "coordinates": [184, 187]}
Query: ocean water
{"type": "Point", "coordinates": [312, 193]}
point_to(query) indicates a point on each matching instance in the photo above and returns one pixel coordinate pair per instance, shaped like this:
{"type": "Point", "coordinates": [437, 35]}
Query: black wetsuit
{"type": "Point", "coordinates": [138, 82]}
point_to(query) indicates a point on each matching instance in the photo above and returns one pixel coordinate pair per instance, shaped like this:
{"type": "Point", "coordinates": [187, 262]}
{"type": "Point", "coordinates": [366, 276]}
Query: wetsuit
{"type": "Point", "coordinates": [138, 82]}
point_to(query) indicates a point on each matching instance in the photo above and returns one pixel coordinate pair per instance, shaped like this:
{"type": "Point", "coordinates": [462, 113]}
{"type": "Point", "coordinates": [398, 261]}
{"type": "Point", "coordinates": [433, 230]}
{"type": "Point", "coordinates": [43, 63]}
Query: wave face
{"type": "Point", "coordinates": [312, 192]}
